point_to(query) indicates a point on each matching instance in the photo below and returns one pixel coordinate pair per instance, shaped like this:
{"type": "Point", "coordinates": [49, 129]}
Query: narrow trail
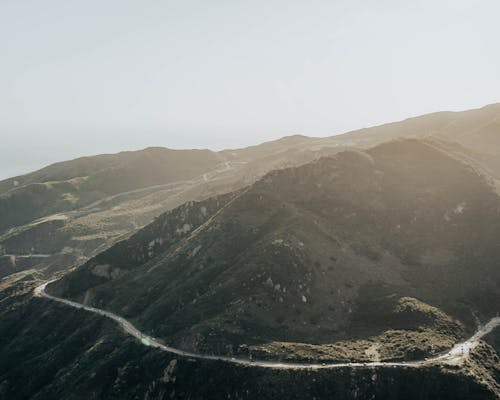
{"type": "Point", "coordinates": [459, 353]}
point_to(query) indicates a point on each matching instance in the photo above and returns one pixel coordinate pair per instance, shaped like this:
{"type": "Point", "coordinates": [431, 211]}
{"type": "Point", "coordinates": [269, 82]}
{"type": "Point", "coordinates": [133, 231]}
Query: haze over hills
{"type": "Point", "coordinates": [71, 210]}
{"type": "Point", "coordinates": [74, 184]}
{"type": "Point", "coordinates": [376, 245]}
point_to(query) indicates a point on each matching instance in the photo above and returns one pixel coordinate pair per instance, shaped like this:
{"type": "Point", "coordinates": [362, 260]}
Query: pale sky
{"type": "Point", "coordinates": [87, 77]}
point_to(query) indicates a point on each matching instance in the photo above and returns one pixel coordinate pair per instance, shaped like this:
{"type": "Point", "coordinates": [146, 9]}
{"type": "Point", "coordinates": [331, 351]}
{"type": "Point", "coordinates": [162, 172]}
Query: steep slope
{"type": "Point", "coordinates": [75, 232]}
{"type": "Point", "coordinates": [315, 254]}
{"type": "Point", "coordinates": [50, 352]}
{"type": "Point", "coordinates": [57, 217]}
{"type": "Point", "coordinates": [72, 229]}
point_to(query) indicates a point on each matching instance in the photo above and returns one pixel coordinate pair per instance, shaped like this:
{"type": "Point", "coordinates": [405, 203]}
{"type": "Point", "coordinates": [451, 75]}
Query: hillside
{"type": "Point", "coordinates": [58, 217]}
{"type": "Point", "coordinates": [74, 184]}
{"type": "Point", "coordinates": [293, 250]}
{"type": "Point", "coordinates": [54, 225]}
{"type": "Point", "coordinates": [337, 249]}
{"type": "Point", "coordinates": [78, 355]}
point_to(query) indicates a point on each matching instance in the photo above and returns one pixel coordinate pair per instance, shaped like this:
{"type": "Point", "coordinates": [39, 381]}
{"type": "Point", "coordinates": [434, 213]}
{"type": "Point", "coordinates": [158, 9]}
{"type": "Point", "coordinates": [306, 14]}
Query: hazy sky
{"type": "Point", "coordinates": [86, 77]}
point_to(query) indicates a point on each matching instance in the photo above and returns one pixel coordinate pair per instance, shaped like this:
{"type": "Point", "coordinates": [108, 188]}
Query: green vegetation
{"type": "Point", "coordinates": [387, 251]}
{"type": "Point", "coordinates": [52, 352]}
{"type": "Point", "coordinates": [333, 251]}
{"type": "Point", "coordinates": [436, 334]}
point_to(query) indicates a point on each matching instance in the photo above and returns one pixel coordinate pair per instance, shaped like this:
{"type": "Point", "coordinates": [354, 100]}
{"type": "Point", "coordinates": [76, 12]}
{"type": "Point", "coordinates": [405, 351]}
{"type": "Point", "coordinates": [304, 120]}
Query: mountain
{"type": "Point", "coordinates": [473, 128]}
{"type": "Point", "coordinates": [372, 246]}
{"type": "Point", "coordinates": [400, 238]}
{"type": "Point", "coordinates": [74, 184]}
{"type": "Point", "coordinates": [56, 218]}
{"type": "Point", "coordinates": [477, 130]}
{"type": "Point", "coordinates": [53, 352]}
{"type": "Point", "coordinates": [367, 238]}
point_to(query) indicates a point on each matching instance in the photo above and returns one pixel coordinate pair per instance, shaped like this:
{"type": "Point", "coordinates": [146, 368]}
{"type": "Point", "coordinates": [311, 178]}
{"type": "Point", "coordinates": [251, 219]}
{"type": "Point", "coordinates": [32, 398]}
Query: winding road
{"type": "Point", "coordinates": [455, 356]}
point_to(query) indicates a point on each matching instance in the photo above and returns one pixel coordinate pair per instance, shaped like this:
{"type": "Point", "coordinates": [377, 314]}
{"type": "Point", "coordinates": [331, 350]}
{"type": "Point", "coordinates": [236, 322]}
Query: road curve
{"type": "Point", "coordinates": [455, 356]}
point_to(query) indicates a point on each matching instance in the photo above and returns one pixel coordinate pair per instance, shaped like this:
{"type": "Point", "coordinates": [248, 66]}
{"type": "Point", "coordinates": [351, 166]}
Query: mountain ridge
{"type": "Point", "coordinates": [335, 220]}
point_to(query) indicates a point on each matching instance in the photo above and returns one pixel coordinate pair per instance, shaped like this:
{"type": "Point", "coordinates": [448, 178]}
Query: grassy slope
{"type": "Point", "coordinates": [65, 187]}
{"type": "Point", "coordinates": [50, 352]}
{"type": "Point", "coordinates": [312, 254]}
{"type": "Point", "coordinates": [74, 184]}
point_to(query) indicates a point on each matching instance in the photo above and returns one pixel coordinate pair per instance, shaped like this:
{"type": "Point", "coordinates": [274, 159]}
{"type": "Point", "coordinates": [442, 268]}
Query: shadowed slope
{"type": "Point", "coordinates": [317, 253]}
